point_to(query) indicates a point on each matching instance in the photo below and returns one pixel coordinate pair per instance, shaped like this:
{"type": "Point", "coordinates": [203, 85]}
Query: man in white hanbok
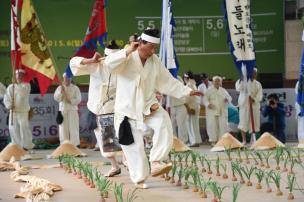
{"type": "Point", "coordinates": [300, 120]}
{"type": "Point", "coordinates": [102, 91]}
{"type": "Point", "coordinates": [216, 101]}
{"type": "Point", "coordinates": [179, 117]}
{"type": "Point", "coordinates": [140, 74]}
{"type": "Point", "coordinates": [16, 99]}
{"type": "Point", "coordinates": [256, 95]}
{"type": "Point", "coordinates": [193, 109]}
{"type": "Point", "coordinates": [68, 95]}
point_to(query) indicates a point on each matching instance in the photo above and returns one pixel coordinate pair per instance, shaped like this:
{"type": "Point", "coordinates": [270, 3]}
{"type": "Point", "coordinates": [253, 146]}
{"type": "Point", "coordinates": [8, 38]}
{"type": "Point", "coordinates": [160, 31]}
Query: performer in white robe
{"type": "Point", "coordinates": [139, 74]}
{"type": "Point", "coordinates": [68, 95]}
{"type": "Point", "coordinates": [100, 80]}
{"type": "Point", "coordinates": [299, 118]}
{"type": "Point", "coordinates": [216, 101]}
{"type": "Point", "coordinates": [204, 86]}
{"type": "Point", "coordinates": [256, 96]}
{"type": "Point", "coordinates": [16, 99]}
{"type": "Point", "coordinates": [193, 108]}
{"type": "Point", "coordinates": [179, 117]}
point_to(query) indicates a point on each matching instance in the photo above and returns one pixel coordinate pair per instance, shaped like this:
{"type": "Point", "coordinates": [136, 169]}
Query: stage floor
{"type": "Point", "coordinates": [160, 191]}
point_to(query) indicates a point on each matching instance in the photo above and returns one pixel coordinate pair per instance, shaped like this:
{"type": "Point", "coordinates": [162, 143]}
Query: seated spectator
{"type": "Point", "coordinates": [275, 112]}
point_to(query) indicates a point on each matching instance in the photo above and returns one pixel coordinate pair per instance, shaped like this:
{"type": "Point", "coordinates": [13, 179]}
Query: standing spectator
{"type": "Point", "coordinates": [216, 101]}
{"type": "Point", "coordinates": [255, 97]}
{"type": "Point", "coordinates": [193, 108]}
{"type": "Point", "coordinates": [16, 99]}
{"type": "Point", "coordinates": [68, 95]}
{"type": "Point", "coordinates": [179, 117]}
{"type": "Point", "coordinates": [275, 112]}
{"type": "Point", "coordinates": [204, 86]}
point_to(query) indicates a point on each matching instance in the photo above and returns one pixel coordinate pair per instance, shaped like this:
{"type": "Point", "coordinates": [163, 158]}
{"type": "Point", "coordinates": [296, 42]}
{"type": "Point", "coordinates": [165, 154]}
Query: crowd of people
{"type": "Point", "coordinates": [123, 89]}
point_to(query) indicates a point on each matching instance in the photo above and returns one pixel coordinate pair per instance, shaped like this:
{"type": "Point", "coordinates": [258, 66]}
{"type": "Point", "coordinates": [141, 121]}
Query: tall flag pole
{"type": "Point", "coordinates": [36, 57]}
{"type": "Point", "coordinates": [96, 32]}
{"type": "Point", "coordinates": [240, 39]}
{"type": "Point", "coordinates": [15, 46]}
{"type": "Point", "coordinates": [15, 36]}
{"type": "Point", "coordinates": [167, 51]}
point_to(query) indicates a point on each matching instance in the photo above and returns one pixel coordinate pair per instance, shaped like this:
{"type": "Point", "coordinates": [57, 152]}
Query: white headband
{"type": "Point", "coordinates": [109, 51]}
{"type": "Point", "coordinates": [20, 71]}
{"type": "Point", "coordinates": [217, 78]}
{"type": "Point", "coordinates": [150, 39]}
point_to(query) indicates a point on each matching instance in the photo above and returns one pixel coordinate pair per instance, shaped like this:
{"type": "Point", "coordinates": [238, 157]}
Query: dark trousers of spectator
{"type": "Point", "coordinates": [278, 132]}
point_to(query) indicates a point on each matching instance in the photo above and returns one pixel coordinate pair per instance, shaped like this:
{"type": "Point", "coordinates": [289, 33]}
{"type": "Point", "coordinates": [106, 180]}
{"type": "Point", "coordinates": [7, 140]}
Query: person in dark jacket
{"type": "Point", "coordinates": [275, 112]}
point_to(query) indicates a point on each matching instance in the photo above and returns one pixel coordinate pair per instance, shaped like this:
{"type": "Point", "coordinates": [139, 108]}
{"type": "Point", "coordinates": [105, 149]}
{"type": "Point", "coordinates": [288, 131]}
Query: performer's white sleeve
{"type": "Point", "coordinates": [79, 69]}
{"type": "Point", "coordinates": [167, 84]}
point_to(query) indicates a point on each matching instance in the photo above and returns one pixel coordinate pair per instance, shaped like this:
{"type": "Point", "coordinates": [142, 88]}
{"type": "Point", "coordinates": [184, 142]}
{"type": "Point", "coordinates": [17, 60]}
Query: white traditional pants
{"type": "Point", "coordinates": [19, 130]}
{"type": "Point", "coordinates": [98, 135]}
{"type": "Point", "coordinates": [135, 155]}
{"type": "Point", "coordinates": [245, 118]}
{"type": "Point", "coordinates": [179, 119]}
{"type": "Point", "coordinates": [216, 127]}
{"type": "Point", "coordinates": [69, 129]}
{"type": "Point", "coordinates": [193, 127]}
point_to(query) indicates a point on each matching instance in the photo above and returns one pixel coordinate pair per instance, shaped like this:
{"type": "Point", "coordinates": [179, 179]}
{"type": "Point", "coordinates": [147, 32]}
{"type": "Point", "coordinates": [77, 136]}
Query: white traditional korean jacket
{"type": "Point", "coordinates": [99, 81]}
{"type": "Point", "coordinates": [137, 84]}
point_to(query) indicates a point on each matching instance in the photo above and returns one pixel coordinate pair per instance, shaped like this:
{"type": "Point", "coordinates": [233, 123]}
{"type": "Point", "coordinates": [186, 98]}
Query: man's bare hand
{"type": "Point", "coordinates": [133, 46]}
{"type": "Point", "coordinates": [154, 107]}
{"type": "Point", "coordinates": [95, 59]}
{"type": "Point", "coordinates": [196, 93]}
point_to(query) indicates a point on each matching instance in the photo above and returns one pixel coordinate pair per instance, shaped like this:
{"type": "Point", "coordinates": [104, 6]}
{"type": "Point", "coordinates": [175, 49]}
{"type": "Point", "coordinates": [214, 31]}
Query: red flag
{"type": "Point", "coordinates": [97, 31]}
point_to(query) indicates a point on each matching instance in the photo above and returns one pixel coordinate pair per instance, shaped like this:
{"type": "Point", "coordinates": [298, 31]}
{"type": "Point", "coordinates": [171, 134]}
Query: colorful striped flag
{"type": "Point", "coordinates": [97, 31]}
{"type": "Point", "coordinates": [167, 51]}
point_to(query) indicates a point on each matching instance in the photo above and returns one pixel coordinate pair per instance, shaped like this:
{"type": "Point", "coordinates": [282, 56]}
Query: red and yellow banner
{"type": "Point", "coordinates": [35, 55]}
